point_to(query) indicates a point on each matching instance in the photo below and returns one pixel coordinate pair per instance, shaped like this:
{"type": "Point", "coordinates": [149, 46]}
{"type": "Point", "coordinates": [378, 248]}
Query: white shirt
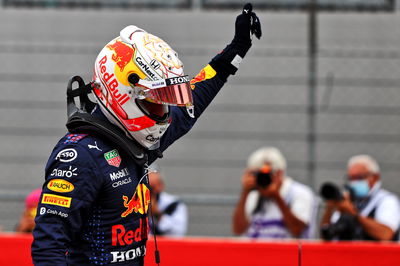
{"type": "Point", "coordinates": [174, 224]}
{"type": "Point", "coordinates": [268, 221]}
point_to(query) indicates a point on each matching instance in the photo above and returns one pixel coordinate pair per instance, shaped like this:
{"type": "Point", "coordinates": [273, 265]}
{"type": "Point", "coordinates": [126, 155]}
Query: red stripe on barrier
{"type": "Point", "coordinates": [350, 254]}
{"type": "Point", "coordinates": [15, 250]}
{"type": "Point", "coordinates": [232, 252]}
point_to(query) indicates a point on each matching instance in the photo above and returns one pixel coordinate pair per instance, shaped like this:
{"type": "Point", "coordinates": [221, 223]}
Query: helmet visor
{"type": "Point", "coordinates": [157, 112]}
{"type": "Point", "coordinates": [173, 91]}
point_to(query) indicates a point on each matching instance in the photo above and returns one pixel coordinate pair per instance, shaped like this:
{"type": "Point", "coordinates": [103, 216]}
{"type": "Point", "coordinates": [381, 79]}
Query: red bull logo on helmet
{"type": "Point", "coordinates": [122, 54]}
{"type": "Point", "coordinates": [139, 203]}
{"type": "Point", "coordinates": [110, 81]}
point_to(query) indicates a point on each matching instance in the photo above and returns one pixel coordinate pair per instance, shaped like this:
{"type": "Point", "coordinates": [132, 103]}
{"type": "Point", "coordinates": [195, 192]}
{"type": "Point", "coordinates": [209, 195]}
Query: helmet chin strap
{"type": "Point", "coordinates": [80, 120]}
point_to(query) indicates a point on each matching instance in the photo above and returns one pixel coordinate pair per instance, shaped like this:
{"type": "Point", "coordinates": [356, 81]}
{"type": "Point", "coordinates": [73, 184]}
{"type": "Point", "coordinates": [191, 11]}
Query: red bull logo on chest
{"type": "Point", "coordinates": [139, 203]}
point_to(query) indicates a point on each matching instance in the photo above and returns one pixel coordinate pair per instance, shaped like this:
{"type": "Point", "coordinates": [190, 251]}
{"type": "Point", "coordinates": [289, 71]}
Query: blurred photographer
{"type": "Point", "coordinates": [364, 212]}
{"type": "Point", "coordinates": [169, 212]}
{"type": "Point", "coordinates": [272, 205]}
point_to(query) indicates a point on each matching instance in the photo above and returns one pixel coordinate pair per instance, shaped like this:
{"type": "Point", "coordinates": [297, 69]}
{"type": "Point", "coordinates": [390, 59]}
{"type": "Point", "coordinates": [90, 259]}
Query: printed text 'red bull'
{"type": "Point", "coordinates": [111, 82]}
{"type": "Point", "coordinates": [121, 237]}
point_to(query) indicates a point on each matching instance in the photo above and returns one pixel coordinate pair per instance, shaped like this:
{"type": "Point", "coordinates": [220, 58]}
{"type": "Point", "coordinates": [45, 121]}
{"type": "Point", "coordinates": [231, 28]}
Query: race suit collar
{"type": "Point", "coordinates": [98, 125]}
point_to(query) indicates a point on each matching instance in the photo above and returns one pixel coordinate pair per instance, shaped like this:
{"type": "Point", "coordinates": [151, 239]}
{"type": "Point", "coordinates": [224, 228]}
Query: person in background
{"type": "Point", "coordinates": [169, 212]}
{"type": "Point", "coordinates": [367, 211]}
{"type": "Point", "coordinates": [27, 221]}
{"type": "Point", "coordinates": [271, 204]}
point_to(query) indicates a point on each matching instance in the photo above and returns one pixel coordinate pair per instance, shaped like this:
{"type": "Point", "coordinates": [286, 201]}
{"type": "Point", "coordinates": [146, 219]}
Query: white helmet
{"type": "Point", "coordinates": [137, 76]}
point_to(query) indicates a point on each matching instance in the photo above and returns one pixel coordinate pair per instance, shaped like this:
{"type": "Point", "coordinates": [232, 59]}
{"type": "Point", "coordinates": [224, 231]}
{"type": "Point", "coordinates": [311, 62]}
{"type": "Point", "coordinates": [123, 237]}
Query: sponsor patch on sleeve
{"type": "Point", "coordinates": [67, 155]}
{"type": "Point", "coordinates": [60, 185]}
{"type": "Point", "coordinates": [206, 73]}
{"type": "Point", "coordinates": [56, 200]}
{"type": "Point", "coordinates": [69, 172]}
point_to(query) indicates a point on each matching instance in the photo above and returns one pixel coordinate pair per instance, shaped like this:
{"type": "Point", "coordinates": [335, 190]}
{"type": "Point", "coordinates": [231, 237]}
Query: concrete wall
{"type": "Point", "coordinates": [264, 104]}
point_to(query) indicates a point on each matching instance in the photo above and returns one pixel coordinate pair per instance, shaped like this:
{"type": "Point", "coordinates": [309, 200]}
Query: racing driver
{"type": "Point", "coordinates": [96, 196]}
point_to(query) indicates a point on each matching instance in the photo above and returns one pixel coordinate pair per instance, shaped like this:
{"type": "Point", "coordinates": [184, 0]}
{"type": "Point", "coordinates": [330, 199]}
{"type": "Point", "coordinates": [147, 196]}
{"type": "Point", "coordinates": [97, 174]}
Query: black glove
{"type": "Point", "coordinates": [247, 23]}
{"type": "Point", "coordinates": [227, 62]}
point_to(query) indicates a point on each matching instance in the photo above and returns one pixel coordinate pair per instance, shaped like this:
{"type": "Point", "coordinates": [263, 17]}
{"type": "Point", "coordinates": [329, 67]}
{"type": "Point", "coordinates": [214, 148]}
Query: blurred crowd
{"type": "Point", "coordinates": [274, 205]}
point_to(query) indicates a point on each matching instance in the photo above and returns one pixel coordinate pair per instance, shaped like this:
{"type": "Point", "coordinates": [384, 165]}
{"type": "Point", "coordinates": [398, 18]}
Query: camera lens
{"type": "Point", "coordinates": [330, 191]}
{"type": "Point", "coordinates": [263, 179]}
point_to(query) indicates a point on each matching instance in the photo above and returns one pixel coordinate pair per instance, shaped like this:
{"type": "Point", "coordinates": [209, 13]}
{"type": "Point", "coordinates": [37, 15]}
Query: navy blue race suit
{"type": "Point", "coordinates": [92, 210]}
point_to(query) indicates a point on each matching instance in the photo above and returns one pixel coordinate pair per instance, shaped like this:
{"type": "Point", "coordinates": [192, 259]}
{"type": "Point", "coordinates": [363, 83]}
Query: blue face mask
{"type": "Point", "coordinates": [360, 188]}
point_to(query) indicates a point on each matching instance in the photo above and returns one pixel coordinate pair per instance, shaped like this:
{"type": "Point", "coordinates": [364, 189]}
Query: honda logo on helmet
{"type": "Point", "coordinates": [177, 80]}
{"type": "Point", "coordinates": [155, 64]}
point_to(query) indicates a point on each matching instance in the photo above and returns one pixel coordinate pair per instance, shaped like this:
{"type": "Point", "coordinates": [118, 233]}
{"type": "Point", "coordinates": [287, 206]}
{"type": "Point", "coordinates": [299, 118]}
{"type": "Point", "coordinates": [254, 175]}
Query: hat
{"type": "Point", "coordinates": [32, 200]}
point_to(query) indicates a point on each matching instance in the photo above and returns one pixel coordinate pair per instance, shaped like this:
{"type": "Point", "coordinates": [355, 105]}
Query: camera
{"type": "Point", "coordinates": [345, 227]}
{"type": "Point", "coordinates": [330, 191]}
{"type": "Point", "coordinates": [264, 176]}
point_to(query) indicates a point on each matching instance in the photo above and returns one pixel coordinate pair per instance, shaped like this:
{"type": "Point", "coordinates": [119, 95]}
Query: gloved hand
{"type": "Point", "coordinates": [247, 24]}
{"type": "Point", "coordinates": [227, 62]}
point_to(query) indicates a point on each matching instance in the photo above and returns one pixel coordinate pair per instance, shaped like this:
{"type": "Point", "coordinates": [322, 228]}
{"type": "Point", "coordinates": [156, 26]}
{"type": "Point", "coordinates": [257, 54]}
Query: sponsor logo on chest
{"type": "Point", "coordinates": [121, 236]}
{"type": "Point", "coordinates": [120, 178]}
{"type": "Point", "coordinates": [117, 175]}
{"type": "Point", "coordinates": [113, 158]}
{"type": "Point", "coordinates": [139, 202]}
{"type": "Point", "coordinates": [132, 254]}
